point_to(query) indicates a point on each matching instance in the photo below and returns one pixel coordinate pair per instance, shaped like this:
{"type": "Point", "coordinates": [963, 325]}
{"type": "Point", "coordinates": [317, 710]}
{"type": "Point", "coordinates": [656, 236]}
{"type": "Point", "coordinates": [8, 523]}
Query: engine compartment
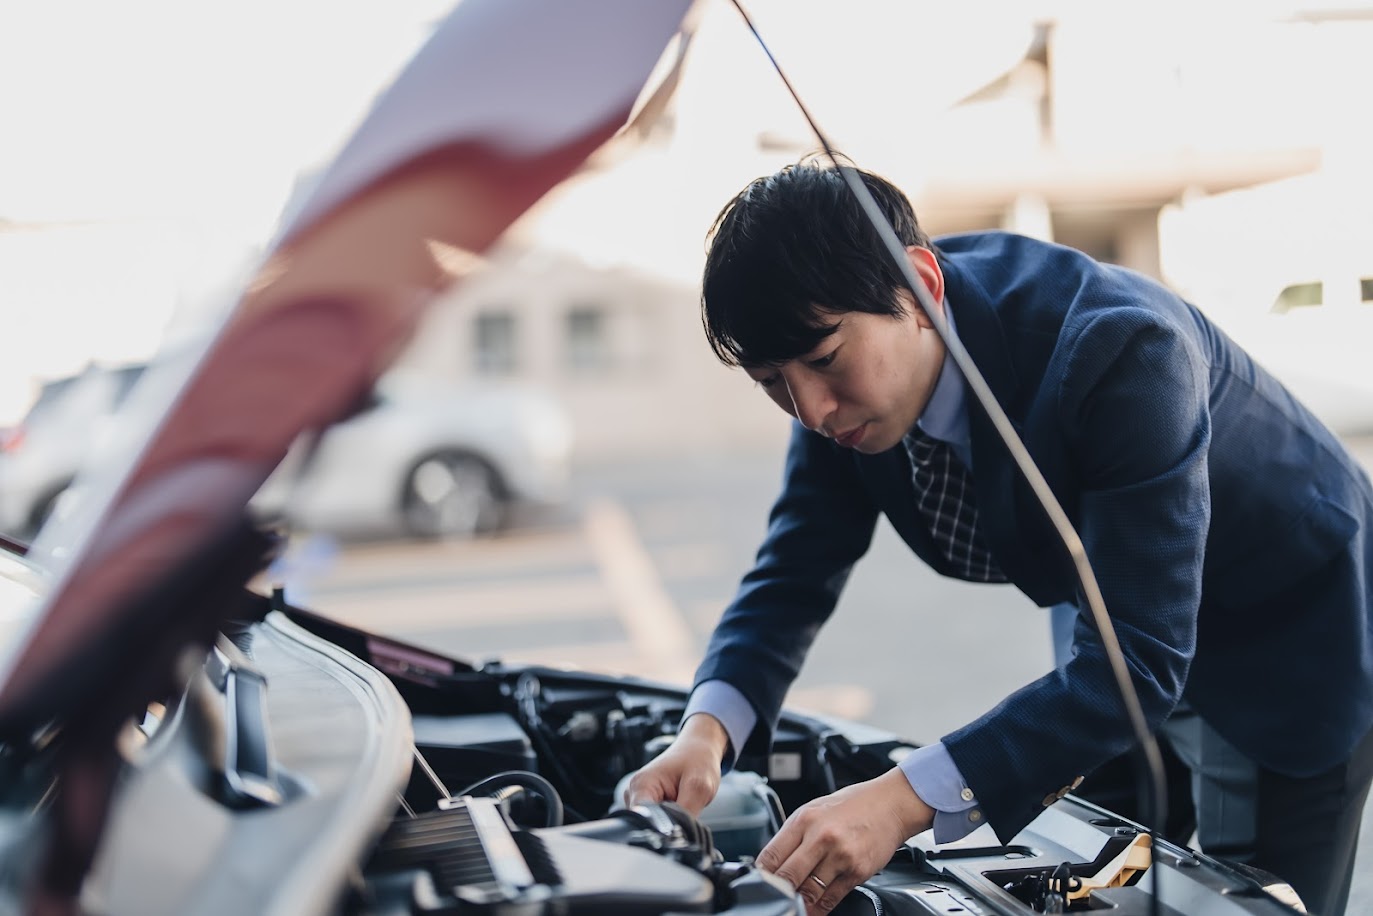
{"type": "Point", "coordinates": [536, 757]}
{"type": "Point", "coordinates": [392, 781]}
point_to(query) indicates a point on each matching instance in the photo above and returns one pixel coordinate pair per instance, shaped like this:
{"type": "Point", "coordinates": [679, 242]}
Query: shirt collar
{"type": "Point", "coordinates": [945, 417]}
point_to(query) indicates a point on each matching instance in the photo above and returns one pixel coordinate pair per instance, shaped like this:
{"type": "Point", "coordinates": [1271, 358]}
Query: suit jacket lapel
{"type": "Point", "coordinates": [995, 476]}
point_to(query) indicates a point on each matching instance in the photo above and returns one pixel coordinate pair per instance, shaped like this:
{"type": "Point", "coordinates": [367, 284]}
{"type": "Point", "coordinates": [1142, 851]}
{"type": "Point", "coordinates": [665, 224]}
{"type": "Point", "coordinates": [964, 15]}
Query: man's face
{"type": "Point", "coordinates": [866, 384]}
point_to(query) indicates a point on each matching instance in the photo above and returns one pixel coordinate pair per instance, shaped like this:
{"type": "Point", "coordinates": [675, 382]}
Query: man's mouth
{"type": "Point", "coordinates": [852, 437]}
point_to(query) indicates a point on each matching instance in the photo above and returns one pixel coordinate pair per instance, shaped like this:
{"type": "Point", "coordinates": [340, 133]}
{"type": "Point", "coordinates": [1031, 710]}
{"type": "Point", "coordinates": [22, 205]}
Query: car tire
{"type": "Point", "coordinates": [452, 495]}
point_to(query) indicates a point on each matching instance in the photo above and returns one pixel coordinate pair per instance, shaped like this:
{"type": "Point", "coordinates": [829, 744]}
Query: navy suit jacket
{"type": "Point", "coordinates": [1228, 528]}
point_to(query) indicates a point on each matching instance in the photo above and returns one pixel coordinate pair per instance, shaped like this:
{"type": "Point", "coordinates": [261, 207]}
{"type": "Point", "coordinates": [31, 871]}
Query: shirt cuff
{"type": "Point", "coordinates": [724, 701]}
{"type": "Point", "coordinates": [936, 779]}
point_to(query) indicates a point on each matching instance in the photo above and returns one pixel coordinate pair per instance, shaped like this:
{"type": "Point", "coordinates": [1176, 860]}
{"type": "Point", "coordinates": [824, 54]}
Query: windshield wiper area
{"type": "Point", "coordinates": [250, 777]}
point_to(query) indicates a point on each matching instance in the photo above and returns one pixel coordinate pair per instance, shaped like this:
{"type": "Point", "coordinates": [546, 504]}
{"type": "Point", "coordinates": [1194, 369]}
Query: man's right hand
{"type": "Point", "coordinates": [688, 772]}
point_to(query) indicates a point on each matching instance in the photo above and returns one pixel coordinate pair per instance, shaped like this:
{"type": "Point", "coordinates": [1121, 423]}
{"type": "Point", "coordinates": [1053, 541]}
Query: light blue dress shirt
{"type": "Point", "coordinates": [930, 770]}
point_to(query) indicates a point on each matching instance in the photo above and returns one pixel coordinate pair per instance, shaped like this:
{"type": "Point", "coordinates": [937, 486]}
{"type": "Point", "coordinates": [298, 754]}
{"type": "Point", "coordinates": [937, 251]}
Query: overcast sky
{"type": "Point", "coordinates": [169, 108]}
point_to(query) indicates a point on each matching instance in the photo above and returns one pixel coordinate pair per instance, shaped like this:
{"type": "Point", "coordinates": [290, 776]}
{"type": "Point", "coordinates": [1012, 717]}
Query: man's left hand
{"type": "Point", "coordinates": [832, 844]}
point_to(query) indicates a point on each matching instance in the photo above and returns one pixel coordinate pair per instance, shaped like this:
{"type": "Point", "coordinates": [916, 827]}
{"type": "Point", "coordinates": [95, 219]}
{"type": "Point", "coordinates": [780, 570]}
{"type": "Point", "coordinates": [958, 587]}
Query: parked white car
{"type": "Point", "coordinates": [420, 458]}
{"type": "Point", "coordinates": [431, 460]}
{"type": "Point", "coordinates": [39, 456]}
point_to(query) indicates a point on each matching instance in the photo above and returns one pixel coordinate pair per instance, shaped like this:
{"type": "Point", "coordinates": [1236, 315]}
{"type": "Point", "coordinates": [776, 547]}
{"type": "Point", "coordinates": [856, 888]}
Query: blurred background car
{"type": "Point", "coordinates": [39, 455]}
{"type": "Point", "coordinates": [418, 459]}
{"type": "Point", "coordinates": [430, 460]}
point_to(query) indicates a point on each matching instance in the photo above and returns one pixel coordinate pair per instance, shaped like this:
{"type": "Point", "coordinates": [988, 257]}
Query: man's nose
{"type": "Point", "coordinates": [811, 400]}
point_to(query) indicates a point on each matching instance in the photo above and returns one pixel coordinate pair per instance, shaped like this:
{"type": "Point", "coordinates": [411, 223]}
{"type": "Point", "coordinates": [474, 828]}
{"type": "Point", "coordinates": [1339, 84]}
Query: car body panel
{"type": "Point", "coordinates": [341, 734]}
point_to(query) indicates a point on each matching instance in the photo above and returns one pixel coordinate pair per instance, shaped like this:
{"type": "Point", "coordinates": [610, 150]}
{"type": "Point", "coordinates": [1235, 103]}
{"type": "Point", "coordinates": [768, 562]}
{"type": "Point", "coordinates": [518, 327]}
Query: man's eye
{"type": "Point", "coordinates": [822, 362]}
{"type": "Point", "coordinates": [768, 381]}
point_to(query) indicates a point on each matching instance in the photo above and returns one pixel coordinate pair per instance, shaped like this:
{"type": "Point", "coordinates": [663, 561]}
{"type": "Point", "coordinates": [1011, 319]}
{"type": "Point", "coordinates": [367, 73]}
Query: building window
{"type": "Point", "coordinates": [1299, 295]}
{"type": "Point", "coordinates": [1366, 289]}
{"type": "Point", "coordinates": [494, 342]}
{"type": "Point", "coordinates": [588, 339]}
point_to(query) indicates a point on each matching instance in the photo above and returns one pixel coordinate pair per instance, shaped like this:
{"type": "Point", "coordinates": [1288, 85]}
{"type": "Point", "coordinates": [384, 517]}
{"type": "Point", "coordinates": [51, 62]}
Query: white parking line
{"type": "Point", "coordinates": [656, 628]}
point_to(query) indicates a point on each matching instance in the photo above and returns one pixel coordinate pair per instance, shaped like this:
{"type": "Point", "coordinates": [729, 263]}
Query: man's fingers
{"type": "Point", "coordinates": [646, 796]}
{"type": "Point", "coordinates": [695, 792]}
{"type": "Point", "coordinates": [797, 871]}
{"type": "Point", "coordinates": [804, 854]}
{"type": "Point", "coordinates": [644, 792]}
{"type": "Point", "coordinates": [778, 848]}
{"type": "Point", "coordinates": [829, 897]}
{"type": "Point", "coordinates": [788, 856]}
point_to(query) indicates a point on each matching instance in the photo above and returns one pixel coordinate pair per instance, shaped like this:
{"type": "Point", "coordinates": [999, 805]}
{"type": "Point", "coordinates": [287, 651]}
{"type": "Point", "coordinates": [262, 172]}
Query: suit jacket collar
{"type": "Point", "coordinates": [980, 332]}
{"type": "Point", "coordinates": [1002, 514]}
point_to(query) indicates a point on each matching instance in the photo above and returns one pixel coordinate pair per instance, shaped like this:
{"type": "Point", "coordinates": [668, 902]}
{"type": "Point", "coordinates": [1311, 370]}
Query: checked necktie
{"type": "Point", "coordinates": [944, 494]}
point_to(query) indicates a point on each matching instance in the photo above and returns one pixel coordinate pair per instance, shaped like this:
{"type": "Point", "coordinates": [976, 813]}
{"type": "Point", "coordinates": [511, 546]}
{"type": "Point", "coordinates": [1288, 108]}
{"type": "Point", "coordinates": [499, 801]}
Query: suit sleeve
{"type": "Point", "coordinates": [821, 523]}
{"type": "Point", "coordinates": [1133, 404]}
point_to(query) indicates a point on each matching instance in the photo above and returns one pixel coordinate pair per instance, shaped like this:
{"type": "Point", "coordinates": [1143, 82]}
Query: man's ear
{"type": "Point", "coordinates": [926, 267]}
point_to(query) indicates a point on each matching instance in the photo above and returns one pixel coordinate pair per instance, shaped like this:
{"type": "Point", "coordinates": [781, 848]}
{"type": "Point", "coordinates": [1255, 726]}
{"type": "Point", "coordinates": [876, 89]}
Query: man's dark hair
{"type": "Point", "coordinates": [791, 252]}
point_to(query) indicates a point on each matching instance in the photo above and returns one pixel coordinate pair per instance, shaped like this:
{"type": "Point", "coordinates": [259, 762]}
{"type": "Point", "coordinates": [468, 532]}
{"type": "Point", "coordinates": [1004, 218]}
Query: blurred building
{"type": "Point", "coordinates": [1072, 121]}
{"type": "Point", "coordinates": [77, 290]}
{"type": "Point", "coordinates": [1183, 140]}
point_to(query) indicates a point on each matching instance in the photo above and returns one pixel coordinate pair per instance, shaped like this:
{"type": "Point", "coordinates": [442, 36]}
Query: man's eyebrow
{"type": "Point", "coordinates": [825, 343]}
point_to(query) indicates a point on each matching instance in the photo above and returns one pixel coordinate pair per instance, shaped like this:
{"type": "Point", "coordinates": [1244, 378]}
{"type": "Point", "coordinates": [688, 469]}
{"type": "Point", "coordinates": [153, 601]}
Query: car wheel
{"type": "Point", "coordinates": [451, 495]}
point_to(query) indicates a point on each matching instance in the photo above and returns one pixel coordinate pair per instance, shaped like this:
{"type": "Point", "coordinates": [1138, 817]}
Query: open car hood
{"type": "Point", "coordinates": [506, 99]}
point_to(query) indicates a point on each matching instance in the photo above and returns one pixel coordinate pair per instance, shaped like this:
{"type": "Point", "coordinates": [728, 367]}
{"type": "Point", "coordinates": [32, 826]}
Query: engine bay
{"type": "Point", "coordinates": [513, 807]}
{"type": "Point", "coordinates": [312, 768]}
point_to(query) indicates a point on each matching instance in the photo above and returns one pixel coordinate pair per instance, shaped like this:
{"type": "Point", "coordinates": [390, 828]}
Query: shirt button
{"type": "Point", "coordinates": [966, 794]}
{"type": "Point", "coordinates": [974, 816]}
